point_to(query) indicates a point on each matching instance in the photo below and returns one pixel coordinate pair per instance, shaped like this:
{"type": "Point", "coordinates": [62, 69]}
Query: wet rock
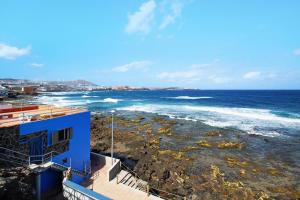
{"type": "Point", "coordinates": [214, 133]}
{"type": "Point", "coordinates": [171, 168]}
{"type": "Point", "coordinates": [230, 145]}
{"type": "Point", "coordinates": [231, 161]}
{"type": "Point", "coordinates": [203, 143]}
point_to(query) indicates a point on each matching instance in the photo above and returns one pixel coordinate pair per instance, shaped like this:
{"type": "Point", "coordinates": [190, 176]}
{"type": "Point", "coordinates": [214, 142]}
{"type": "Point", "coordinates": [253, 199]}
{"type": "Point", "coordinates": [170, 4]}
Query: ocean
{"type": "Point", "coordinates": [270, 113]}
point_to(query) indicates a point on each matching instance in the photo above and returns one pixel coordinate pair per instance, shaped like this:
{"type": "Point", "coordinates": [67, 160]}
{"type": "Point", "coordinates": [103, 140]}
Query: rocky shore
{"type": "Point", "coordinates": [16, 183]}
{"type": "Point", "coordinates": [196, 161]}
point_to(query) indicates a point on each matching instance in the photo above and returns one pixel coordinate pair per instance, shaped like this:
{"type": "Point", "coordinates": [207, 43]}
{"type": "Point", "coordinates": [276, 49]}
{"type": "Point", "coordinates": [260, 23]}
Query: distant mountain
{"type": "Point", "coordinates": [72, 83]}
{"type": "Point", "coordinates": [28, 82]}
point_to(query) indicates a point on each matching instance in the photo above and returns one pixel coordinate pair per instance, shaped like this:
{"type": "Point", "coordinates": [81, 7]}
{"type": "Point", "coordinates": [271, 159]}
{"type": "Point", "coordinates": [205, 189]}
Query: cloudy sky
{"type": "Point", "coordinates": [207, 44]}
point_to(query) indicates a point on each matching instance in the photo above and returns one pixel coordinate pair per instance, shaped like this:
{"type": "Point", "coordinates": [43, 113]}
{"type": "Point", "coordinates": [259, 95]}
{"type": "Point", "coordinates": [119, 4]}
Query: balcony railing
{"type": "Point", "coordinates": [34, 161]}
{"type": "Point", "coordinates": [37, 115]}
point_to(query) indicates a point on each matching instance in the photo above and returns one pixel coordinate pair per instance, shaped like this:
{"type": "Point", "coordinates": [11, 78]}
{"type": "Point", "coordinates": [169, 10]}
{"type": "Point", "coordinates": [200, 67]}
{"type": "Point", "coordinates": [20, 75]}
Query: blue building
{"type": "Point", "coordinates": [55, 144]}
{"type": "Point", "coordinates": [49, 140]}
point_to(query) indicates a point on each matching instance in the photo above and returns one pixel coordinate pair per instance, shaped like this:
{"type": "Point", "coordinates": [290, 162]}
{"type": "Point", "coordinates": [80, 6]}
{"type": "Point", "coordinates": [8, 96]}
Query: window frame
{"type": "Point", "coordinates": [59, 136]}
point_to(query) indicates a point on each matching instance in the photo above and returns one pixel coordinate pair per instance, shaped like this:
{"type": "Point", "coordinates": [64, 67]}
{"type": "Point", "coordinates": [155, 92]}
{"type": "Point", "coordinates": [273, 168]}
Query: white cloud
{"type": "Point", "coordinates": [219, 79]}
{"type": "Point", "coordinates": [174, 12]}
{"type": "Point", "coordinates": [132, 66]}
{"type": "Point", "coordinates": [11, 52]}
{"type": "Point", "coordinates": [36, 65]}
{"type": "Point", "coordinates": [192, 73]}
{"type": "Point", "coordinates": [296, 52]}
{"type": "Point", "coordinates": [253, 75]}
{"type": "Point", "coordinates": [140, 21]}
{"type": "Point", "coordinates": [256, 75]}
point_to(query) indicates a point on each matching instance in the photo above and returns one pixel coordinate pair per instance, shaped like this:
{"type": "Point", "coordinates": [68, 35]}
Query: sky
{"type": "Point", "coordinates": [206, 44]}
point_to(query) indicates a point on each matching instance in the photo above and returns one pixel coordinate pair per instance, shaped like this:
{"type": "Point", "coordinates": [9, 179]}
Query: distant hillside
{"type": "Point", "coordinates": [71, 83]}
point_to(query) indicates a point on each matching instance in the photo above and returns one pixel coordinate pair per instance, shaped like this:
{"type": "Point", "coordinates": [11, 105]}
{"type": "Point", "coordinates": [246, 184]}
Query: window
{"type": "Point", "coordinates": [62, 135]}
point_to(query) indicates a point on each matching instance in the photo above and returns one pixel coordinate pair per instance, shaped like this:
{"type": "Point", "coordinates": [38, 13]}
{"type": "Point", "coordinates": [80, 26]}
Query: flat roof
{"type": "Point", "coordinates": [17, 116]}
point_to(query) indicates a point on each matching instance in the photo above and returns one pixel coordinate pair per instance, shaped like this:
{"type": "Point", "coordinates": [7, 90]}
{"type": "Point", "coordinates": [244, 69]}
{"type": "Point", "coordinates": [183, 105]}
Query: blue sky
{"type": "Point", "coordinates": [207, 44]}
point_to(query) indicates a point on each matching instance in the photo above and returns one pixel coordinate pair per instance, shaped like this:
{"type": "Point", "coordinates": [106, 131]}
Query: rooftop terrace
{"type": "Point", "coordinates": [15, 114]}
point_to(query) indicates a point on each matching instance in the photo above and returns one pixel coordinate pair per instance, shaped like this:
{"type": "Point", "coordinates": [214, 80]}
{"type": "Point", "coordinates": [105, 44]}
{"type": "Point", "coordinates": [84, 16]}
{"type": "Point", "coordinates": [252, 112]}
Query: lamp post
{"type": "Point", "coordinates": [112, 137]}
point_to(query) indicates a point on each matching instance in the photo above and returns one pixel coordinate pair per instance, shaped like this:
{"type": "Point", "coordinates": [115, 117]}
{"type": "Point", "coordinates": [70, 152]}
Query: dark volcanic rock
{"type": "Point", "coordinates": [16, 183]}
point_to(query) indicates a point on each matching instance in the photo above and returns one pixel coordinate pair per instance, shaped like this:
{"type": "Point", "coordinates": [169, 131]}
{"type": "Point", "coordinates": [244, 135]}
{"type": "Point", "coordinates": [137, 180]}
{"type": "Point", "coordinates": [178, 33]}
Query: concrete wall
{"type": "Point", "coordinates": [99, 161]}
{"type": "Point", "coordinates": [73, 191]}
{"type": "Point", "coordinates": [114, 170]}
{"type": "Point", "coordinates": [78, 153]}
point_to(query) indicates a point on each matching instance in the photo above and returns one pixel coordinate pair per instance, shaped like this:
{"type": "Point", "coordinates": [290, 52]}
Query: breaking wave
{"type": "Point", "coordinates": [253, 121]}
{"type": "Point", "coordinates": [111, 100]}
{"type": "Point", "coordinates": [87, 96]}
{"type": "Point", "coordinates": [188, 97]}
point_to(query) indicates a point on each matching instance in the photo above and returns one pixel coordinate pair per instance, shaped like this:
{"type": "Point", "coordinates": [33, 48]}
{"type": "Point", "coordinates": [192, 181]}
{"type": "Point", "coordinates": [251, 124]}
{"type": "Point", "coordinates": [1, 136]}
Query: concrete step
{"type": "Point", "coordinates": [129, 180]}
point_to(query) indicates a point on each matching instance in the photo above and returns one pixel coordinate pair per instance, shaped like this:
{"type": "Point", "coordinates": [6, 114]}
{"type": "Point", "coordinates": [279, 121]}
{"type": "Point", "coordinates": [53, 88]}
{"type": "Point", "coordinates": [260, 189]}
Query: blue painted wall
{"type": "Point", "coordinates": [50, 180]}
{"type": "Point", "coordinates": [79, 149]}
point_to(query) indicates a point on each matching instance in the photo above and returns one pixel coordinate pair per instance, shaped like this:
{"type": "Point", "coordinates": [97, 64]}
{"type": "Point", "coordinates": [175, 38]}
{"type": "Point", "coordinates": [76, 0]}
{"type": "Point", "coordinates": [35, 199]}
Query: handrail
{"type": "Point", "coordinates": [46, 107]}
{"type": "Point", "coordinates": [21, 119]}
{"type": "Point", "coordinates": [24, 159]}
{"type": "Point", "coordinates": [135, 174]}
{"type": "Point", "coordinates": [13, 151]}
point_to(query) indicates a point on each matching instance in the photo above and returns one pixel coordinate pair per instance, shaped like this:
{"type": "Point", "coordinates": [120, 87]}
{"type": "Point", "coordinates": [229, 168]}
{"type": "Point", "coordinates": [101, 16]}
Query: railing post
{"type": "Point", "coordinates": [28, 160]}
{"type": "Point", "coordinates": [148, 190]}
{"type": "Point", "coordinates": [51, 156]}
{"type": "Point", "coordinates": [117, 179]}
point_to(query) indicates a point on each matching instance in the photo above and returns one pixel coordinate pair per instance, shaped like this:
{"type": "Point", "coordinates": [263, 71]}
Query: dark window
{"type": "Point", "coordinates": [62, 135]}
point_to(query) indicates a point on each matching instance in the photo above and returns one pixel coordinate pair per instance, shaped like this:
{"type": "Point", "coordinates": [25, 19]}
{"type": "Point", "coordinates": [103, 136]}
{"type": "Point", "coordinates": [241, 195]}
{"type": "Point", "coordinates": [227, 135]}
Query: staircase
{"type": "Point", "coordinates": [14, 157]}
{"type": "Point", "coordinates": [129, 180]}
{"type": "Point", "coordinates": [36, 162]}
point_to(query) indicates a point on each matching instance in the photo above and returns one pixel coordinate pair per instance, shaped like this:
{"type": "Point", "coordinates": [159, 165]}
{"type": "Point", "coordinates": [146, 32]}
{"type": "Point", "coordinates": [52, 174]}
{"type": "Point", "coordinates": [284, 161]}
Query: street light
{"type": "Point", "coordinates": [112, 137]}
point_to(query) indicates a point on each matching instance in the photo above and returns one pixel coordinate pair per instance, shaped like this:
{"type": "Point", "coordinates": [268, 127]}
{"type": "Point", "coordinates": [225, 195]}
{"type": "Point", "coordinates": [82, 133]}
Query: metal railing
{"type": "Point", "coordinates": [17, 156]}
{"type": "Point", "coordinates": [28, 115]}
{"type": "Point", "coordinates": [22, 159]}
{"type": "Point", "coordinates": [42, 159]}
{"type": "Point", "coordinates": [13, 156]}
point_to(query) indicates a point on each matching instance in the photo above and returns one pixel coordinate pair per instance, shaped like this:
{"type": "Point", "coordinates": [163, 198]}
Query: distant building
{"type": "Point", "coordinates": [3, 91]}
{"type": "Point", "coordinates": [29, 90]}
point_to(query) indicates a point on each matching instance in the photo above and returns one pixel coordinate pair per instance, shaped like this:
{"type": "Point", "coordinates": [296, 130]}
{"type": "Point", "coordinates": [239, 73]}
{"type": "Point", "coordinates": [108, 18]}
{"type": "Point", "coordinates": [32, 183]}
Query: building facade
{"type": "Point", "coordinates": [49, 140]}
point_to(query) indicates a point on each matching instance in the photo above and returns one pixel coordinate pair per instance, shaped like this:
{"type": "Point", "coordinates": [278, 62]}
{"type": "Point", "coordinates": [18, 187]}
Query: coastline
{"type": "Point", "coordinates": [193, 159]}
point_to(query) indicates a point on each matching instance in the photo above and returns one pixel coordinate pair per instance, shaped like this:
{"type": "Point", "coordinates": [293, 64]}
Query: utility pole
{"type": "Point", "coordinates": [112, 137]}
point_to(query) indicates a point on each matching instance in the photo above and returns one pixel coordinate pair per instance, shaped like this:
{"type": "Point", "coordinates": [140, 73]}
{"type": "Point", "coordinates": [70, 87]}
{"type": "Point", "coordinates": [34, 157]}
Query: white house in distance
{"type": "Point", "coordinates": [3, 91]}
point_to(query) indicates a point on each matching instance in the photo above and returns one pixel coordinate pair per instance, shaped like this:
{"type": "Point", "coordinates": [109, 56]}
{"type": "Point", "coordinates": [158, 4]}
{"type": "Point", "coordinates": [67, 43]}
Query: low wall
{"type": "Point", "coordinates": [73, 191]}
{"type": "Point", "coordinates": [100, 161]}
{"type": "Point", "coordinates": [114, 170]}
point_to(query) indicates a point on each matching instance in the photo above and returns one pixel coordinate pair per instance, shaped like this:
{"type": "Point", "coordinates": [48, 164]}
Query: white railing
{"type": "Point", "coordinates": [28, 115]}
{"type": "Point", "coordinates": [9, 154]}
{"type": "Point", "coordinates": [22, 159]}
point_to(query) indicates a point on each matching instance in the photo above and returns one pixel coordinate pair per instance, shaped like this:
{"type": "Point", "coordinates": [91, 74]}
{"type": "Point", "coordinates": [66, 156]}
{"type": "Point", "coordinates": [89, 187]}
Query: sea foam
{"type": "Point", "coordinates": [246, 119]}
{"type": "Point", "coordinates": [188, 97]}
{"type": "Point", "coordinates": [111, 100]}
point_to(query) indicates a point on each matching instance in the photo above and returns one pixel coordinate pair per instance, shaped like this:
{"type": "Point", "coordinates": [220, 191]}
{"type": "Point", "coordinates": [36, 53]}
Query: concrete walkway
{"type": "Point", "coordinates": [100, 184]}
